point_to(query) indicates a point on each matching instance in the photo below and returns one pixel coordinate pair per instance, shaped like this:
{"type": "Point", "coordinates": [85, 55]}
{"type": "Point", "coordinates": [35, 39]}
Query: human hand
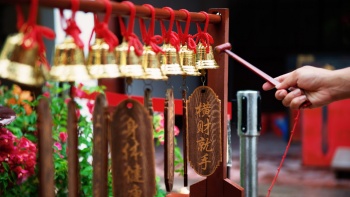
{"type": "Point", "coordinates": [306, 83]}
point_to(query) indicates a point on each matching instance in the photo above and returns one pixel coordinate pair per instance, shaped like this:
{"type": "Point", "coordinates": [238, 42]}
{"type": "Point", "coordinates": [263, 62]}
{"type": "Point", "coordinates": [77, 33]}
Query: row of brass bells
{"type": "Point", "coordinates": [69, 62]}
{"type": "Point", "coordinates": [19, 64]}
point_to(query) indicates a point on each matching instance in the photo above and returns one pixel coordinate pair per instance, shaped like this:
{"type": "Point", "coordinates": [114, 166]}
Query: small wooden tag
{"type": "Point", "coordinates": [169, 123]}
{"type": "Point", "coordinates": [45, 142]}
{"type": "Point", "coordinates": [147, 101]}
{"type": "Point", "coordinates": [72, 146]}
{"type": "Point", "coordinates": [100, 145]}
{"type": "Point", "coordinates": [204, 131]}
{"type": "Point", "coordinates": [132, 151]}
{"type": "Point", "coordinates": [184, 135]}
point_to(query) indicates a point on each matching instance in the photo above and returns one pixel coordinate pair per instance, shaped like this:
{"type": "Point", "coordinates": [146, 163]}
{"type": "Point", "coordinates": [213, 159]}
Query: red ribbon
{"type": "Point", "coordinates": [129, 34]}
{"type": "Point", "coordinates": [148, 37]}
{"type": "Point", "coordinates": [185, 37]}
{"type": "Point", "coordinates": [170, 36]}
{"type": "Point", "coordinates": [101, 28]}
{"type": "Point", "coordinates": [33, 33]}
{"type": "Point", "coordinates": [72, 28]}
{"type": "Point", "coordinates": [203, 36]}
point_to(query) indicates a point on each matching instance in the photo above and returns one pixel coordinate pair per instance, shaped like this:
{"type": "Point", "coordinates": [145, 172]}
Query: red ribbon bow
{"type": "Point", "coordinates": [203, 36]}
{"type": "Point", "coordinates": [170, 36]}
{"type": "Point", "coordinates": [185, 37]}
{"type": "Point", "coordinates": [148, 37]}
{"type": "Point", "coordinates": [129, 34]}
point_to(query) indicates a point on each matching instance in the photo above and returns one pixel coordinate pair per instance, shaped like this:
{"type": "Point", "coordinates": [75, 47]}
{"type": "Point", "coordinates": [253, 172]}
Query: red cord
{"type": "Point", "coordinates": [185, 37]}
{"type": "Point", "coordinates": [129, 34]}
{"type": "Point", "coordinates": [33, 33]}
{"type": "Point", "coordinates": [285, 154]}
{"type": "Point", "coordinates": [72, 28]}
{"type": "Point", "coordinates": [169, 36]}
{"type": "Point", "coordinates": [101, 28]}
{"type": "Point", "coordinates": [148, 37]}
{"type": "Point", "coordinates": [203, 36]}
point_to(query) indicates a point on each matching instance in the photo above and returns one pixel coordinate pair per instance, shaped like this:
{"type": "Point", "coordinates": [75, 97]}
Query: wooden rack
{"type": "Point", "coordinates": [217, 184]}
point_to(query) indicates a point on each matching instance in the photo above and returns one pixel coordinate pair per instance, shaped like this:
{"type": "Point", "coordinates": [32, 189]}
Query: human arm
{"type": "Point", "coordinates": [320, 86]}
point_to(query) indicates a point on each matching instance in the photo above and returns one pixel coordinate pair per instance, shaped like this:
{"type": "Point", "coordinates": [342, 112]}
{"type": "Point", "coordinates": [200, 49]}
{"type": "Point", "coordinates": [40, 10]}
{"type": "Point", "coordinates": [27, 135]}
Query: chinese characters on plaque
{"type": "Point", "coordinates": [204, 131]}
{"type": "Point", "coordinates": [132, 150]}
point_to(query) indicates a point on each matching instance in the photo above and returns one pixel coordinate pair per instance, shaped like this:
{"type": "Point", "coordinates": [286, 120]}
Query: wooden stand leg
{"type": "Point", "coordinates": [217, 185]}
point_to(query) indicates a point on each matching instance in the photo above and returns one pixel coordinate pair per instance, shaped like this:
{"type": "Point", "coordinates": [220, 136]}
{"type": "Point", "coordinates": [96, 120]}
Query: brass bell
{"type": "Point", "coordinates": [69, 63]}
{"type": "Point", "coordinates": [170, 61]}
{"type": "Point", "coordinates": [127, 60]}
{"type": "Point", "coordinates": [188, 61]}
{"type": "Point", "coordinates": [151, 64]}
{"type": "Point", "coordinates": [19, 64]}
{"type": "Point", "coordinates": [205, 60]}
{"type": "Point", "coordinates": [101, 61]}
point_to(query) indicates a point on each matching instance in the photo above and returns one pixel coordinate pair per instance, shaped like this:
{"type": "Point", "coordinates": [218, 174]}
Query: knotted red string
{"type": "Point", "coordinates": [128, 34]}
{"type": "Point", "coordinates": [101, 28]}
{"type": "Point", "coordinates": [72, 28]}
{"type": "Point", "coordinates": [285, 153]}
{"type": "Point", "coordinates": [148, 37]}
{"type": "Point", "coordinates": [203, 36]}
{"type": "Point", "coordinates": [185, 37]}
{"type": "Point", "coordinates": [170, 37]}
{"type": "Point", "coordinates": [33, 33]}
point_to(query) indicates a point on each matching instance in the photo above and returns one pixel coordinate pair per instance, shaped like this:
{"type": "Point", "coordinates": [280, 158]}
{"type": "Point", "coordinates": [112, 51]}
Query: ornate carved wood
{"type": "Point", "coordinates": [204, 131]}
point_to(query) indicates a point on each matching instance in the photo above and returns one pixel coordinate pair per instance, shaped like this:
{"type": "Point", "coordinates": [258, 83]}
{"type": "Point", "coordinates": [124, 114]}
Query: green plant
{"type": "Point", "coordinates": [20, 179]}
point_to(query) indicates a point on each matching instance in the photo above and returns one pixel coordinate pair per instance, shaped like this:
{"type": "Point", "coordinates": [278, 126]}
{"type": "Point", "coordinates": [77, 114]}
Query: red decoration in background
{"type": "Point", "coordinates": [72, 28]}
{"type": "Point", "coordinates": [148, 37]}
{"type": "Point", "coordinates": [128, 34]}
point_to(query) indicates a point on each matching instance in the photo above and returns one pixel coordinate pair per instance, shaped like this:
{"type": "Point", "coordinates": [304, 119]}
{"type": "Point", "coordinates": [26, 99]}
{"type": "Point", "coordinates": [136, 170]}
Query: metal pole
{"type": "Point", "coordinates": [248, 127]}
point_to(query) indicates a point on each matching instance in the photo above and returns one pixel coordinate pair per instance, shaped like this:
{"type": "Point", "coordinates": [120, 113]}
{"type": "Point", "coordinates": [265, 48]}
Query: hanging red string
{"type": "Point", "coordinates": [185, 37]}
{"type": "Point", "coordinates": [128, 34]}
{"type": "Point", "coordinates": [72, 28]}
{"type": "Point", "coordinates": [203, 36]}
{"type": "Point", "coordinates": [169, 36]}
{"type": "Point", "coordinates": [285, 154]}
{"type": "Point", "coordinates": [148, 37]}
{"type": "Point", "coordinates": [101, 28]}
{"type": "Point", "coordinates": [33, 33]}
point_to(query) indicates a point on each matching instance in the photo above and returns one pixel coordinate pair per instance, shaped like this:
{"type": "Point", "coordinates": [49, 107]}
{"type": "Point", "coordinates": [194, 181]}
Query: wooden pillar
{"type": "Point", "coordinates": [217, 184]}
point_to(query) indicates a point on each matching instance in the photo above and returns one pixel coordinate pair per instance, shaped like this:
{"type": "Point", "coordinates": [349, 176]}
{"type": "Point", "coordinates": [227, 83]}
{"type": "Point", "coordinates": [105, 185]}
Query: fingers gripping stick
{"type": "Point", "coordinates": [226, 47]}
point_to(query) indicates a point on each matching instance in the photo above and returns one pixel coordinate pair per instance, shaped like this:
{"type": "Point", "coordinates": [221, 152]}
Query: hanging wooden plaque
{"type": "Point", "coordinates": [100, 145]}
{"type": "Point", "coordinates": [73, 165]}
{"type": "Point", "coordinates": [204, 131]}
{"type": "Point", "coordinates": [169, 123]}
{"type": "Point", "coordinates": [132, 149]}
{"type": "Point", "coordinates": [45, 142]}
{"type": "Point", "coordinates": [184, 135]}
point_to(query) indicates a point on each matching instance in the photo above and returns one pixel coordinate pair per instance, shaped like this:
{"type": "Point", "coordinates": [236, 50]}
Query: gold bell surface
{"type": "Point", "coordinates": [188, 61]}
{"type": "Point", "coordinates": [19, 64]}
{"type": "Point", "coordinates": [151, 65]}
{"type": "Point", "coordinates": [170, 61]}
{"type": "Point", "coordinates": [69, 63]}
{"type": "Point", "coordinates": [205, 60]}
{"type": "Point", "coordinates": [101, 61]}
{"type": "Point", "coordinates": [129, 63]}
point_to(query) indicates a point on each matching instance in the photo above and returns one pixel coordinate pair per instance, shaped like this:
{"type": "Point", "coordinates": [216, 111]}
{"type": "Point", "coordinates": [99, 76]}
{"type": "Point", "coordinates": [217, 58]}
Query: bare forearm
{"type": "Point", "coordinates": [341, 84]}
